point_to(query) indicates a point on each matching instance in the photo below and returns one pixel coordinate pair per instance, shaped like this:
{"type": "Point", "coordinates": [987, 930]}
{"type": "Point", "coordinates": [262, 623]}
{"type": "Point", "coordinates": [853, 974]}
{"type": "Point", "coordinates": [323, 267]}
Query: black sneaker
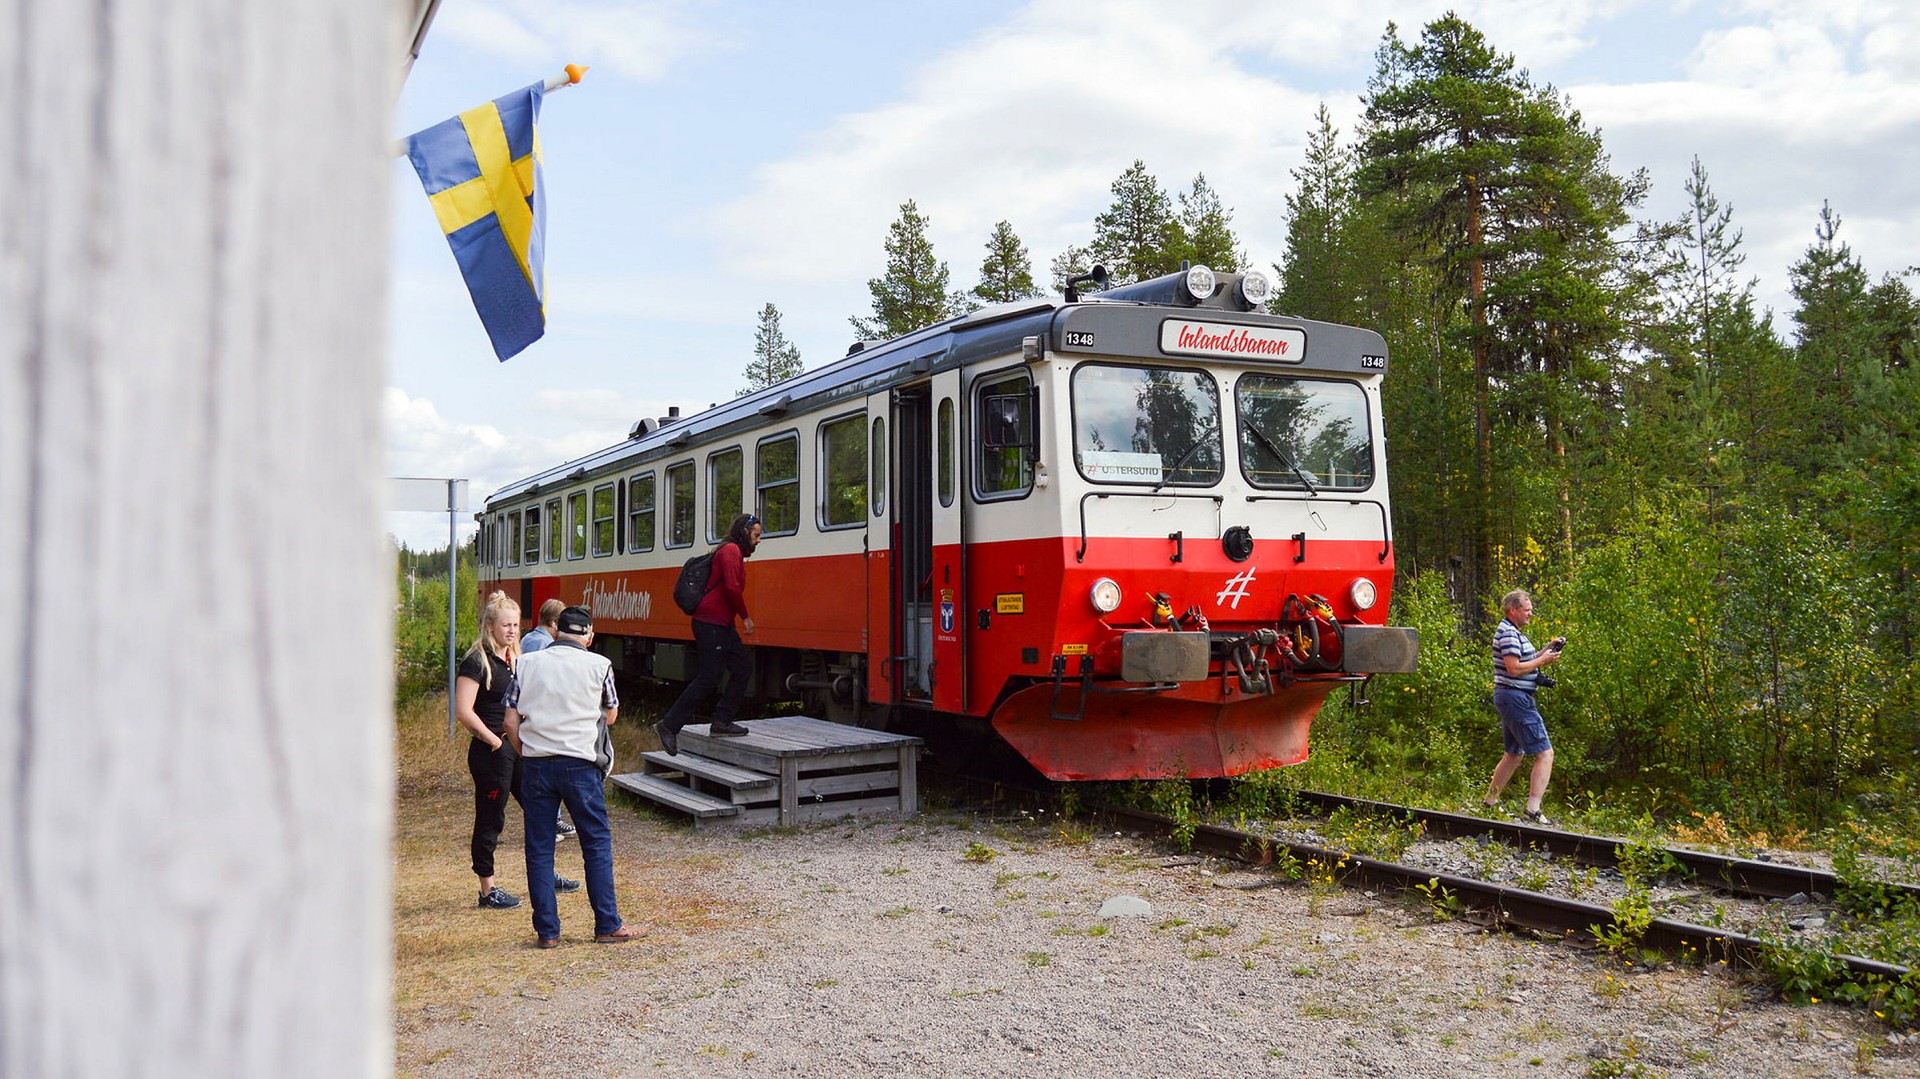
{"type": "Point", "coordinates": [562, 884]}
{"type": "Point", "coordinates": [498, 900]}
{"type": "Point", "coordinates": [670, 741]}
{"type": "Point", "coordinates": [726, 728]}
{"type": "Point", "coordinates": [563, 829]}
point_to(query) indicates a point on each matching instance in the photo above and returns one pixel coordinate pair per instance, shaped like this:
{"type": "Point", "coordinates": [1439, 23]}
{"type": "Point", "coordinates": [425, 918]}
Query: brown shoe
{"type": "Point", "coordinates": [548, 942]}
{"type": "Point", "coordinates": [623, 934]}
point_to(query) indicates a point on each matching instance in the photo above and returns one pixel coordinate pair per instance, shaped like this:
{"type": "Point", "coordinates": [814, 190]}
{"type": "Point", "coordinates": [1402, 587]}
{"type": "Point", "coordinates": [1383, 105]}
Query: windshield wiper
{"type": "Point", "coordinates": [1284, 459]}
{"type": "Point", "coordinates": [1166, 473]}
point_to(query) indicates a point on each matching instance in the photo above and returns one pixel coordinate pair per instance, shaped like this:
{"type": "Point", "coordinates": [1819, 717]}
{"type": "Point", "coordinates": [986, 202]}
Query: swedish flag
{"type": "Point", "coordinates": [481, 170]}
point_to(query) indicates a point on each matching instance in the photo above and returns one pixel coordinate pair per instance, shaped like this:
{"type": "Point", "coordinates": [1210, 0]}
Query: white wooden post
{"type": "Point", "coordinates": [195, 674]}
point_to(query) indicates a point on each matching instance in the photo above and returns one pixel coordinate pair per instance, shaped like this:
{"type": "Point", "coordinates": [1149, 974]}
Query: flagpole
{"type": "Point", "coordinates": [569, 75]}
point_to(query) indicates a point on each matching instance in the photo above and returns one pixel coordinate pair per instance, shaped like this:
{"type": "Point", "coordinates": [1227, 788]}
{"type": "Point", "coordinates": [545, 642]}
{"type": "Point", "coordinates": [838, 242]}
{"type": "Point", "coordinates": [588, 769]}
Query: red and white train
{"type": "Point", "coordinates": [1140, 534]}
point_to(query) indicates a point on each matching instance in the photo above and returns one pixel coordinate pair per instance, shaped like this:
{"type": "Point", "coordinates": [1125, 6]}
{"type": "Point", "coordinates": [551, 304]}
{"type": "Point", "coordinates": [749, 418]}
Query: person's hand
{"type": "Point", "coordinates": [747, 624]}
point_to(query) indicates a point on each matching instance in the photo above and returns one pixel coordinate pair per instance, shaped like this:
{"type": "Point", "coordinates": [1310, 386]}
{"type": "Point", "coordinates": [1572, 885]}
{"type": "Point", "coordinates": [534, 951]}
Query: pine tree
{"type": "Point", "coordinates": [1068, 264]}
{"type": "Point", "coordinates": [1138, 237]}
{"type": "Point", "coordinates": [1006, 274]}
{"type": "Point", "coordinates": [1207, 227]}
{"type": "Point", "coordinates": [1509, 196]}
{"type": "Point", "coordinates": [914, 292]}
{"type": "Point", "coordinates": [1312, 278]}
{"type": "Point", "coordinates": [775, 359]}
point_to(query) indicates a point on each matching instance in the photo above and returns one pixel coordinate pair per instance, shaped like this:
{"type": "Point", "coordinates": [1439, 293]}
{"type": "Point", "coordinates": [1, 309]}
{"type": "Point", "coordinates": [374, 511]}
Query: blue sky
{"type": "Point", "coordinates": [720, 157]}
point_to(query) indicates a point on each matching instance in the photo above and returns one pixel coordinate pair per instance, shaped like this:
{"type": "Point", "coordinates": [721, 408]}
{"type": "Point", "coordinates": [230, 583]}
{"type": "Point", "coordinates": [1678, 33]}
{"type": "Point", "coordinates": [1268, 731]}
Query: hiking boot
{"type": "Point", "coordinates": [726, 728]}
{"type": "Point", "coordinates": [670, 741]}
{"type": "Point", "coordinates": [495, 899]}
{"type": "Point", "coordinates": [562, 884]}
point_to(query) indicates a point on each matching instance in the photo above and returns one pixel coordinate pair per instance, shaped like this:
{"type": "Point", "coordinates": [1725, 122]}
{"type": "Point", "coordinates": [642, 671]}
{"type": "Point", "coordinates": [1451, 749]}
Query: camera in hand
{"type": "Point", "coordinates": [1556, 644]}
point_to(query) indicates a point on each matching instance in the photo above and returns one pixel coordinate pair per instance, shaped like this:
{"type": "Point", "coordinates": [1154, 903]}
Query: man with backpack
{"type": "Point", "coordinates": [717, 648]}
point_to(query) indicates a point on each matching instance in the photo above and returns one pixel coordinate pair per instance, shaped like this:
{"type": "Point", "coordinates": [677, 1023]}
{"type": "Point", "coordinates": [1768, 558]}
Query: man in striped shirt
{"type": "Point", "coordinates": [1516, 675]}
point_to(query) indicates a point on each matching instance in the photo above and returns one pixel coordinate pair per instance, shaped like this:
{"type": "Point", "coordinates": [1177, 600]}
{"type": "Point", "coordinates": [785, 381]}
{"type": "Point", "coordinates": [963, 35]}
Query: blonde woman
{"type": "Point", "coordinates": [480, 693]}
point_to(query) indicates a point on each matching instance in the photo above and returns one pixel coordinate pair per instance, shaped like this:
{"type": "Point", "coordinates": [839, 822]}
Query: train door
{"type": "Point", "coordinates": [914, 581]}
{"type": "Point", "coordinates": [948, 540]}
{"type": "Point", "coordinates": [884, 652]}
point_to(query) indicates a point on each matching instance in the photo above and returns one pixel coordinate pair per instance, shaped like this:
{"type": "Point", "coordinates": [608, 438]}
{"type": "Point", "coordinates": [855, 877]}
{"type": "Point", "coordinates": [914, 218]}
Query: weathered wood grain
{"type": "Point", "coordinates": [195, 754]}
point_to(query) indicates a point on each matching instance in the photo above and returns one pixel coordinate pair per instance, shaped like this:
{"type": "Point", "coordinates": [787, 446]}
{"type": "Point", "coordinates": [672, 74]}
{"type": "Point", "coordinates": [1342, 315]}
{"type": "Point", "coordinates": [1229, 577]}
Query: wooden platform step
{"type": "Point", "coordinates": [693, 764]}
{"type": "Point", "coordinates": [699, 805]}
{"type": "Point", "coordinates": [786, 769]}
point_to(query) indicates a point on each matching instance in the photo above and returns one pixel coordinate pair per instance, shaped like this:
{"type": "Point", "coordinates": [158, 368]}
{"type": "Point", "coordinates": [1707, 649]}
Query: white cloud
{"type": "Point", "coordinates": [637, 40]}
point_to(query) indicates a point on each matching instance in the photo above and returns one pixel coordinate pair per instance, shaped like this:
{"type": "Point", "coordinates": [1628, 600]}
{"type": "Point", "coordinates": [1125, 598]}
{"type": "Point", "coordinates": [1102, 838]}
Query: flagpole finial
{"type": "Point", "coordinates": [575, 72]}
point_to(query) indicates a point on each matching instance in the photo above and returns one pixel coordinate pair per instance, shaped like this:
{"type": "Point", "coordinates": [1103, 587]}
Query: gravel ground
{"type": "Point", "coordinates": [880, 947]}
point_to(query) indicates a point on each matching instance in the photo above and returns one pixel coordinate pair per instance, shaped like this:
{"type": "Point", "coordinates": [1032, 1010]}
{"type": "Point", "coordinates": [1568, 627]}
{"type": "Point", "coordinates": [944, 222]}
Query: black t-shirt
{"type": "Point", "coordinates": [490, 704]}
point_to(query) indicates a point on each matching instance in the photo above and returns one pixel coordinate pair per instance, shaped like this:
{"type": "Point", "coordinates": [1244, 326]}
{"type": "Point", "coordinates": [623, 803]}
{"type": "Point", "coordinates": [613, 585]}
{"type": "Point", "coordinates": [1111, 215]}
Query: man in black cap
{"type": "Point", "coordinates": [561, 697]}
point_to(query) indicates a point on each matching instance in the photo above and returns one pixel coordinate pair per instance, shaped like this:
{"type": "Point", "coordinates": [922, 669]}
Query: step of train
{"type": "Point", "coordinates": [785, 770]}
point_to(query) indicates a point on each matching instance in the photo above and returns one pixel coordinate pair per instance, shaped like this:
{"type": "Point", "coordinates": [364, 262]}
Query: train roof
{"type": "Point", "coordinates": [1122, 321]}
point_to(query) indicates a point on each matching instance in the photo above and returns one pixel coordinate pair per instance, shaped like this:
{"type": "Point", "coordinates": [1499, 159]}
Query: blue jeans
{"type": "Point", "coordinates": [545, 784]}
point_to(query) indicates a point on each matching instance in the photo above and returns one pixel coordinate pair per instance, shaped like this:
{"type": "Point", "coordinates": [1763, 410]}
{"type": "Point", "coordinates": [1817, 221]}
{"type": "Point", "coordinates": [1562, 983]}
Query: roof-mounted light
{"type": "Point", "coordinates": [1255, 288]}
{"type": "Point", "coordinates": [1200, 283]}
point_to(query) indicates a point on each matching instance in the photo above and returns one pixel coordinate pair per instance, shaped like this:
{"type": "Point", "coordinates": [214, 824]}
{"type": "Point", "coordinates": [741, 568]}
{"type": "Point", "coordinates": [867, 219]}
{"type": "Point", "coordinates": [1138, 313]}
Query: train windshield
{"type": "Point", "coordinates": [1304, 433]}
{"type": "Point", "coordinates": [1154, 425]}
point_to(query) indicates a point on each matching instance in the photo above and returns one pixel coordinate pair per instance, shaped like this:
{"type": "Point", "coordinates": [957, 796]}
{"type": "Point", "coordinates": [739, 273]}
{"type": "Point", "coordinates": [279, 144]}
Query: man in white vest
{"type": "Point", "coordinates": [561, 700]}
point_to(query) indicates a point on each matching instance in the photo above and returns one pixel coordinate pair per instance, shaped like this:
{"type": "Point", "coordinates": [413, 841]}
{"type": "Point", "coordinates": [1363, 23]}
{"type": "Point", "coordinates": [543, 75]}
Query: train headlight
{"type": "Point", "coordinates": [1200, 283]}
{"type": "Point", "coordinates": [1105, 595]}
{"type": "Point", "coordinates": [1255, 288]}
{"type": "Point", "coordinates": [1362, 593]}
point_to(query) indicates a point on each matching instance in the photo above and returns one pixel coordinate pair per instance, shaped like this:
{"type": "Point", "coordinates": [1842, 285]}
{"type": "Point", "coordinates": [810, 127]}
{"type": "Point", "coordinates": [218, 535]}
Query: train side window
{"type": "Point", "coordinates": [681, 518]}
{"type": "Point", "coordinates": [577, 525]}
{"type": "Point", "coordinates": [843, 472]}
{"type": "Point", "coordinates": [943, 451]}
{"type": "Point", "coordinates": [513, 538]}
{"type": "Point", "coordinates": [1004, 461]}
{"type": "Point", "coordinates": [726, 491]}
{"type": "Point", "coordinates": [881, 458]}
{"type": "Point", "coordinates": [776, 481]}
{"type": "Point", "coordinates": [555, 530]}
{"type": "Point", "coordinates": [603, 520]}
{"type": "Point", "coordinates": [530, 541]}
{"type": "Point", "coordinates": [640, 512]}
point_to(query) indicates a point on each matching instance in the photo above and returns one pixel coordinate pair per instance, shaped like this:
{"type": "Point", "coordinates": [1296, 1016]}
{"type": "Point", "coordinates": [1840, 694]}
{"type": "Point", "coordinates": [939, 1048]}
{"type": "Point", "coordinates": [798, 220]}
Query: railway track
{"type": "Point", "coordinates": [1494, 903]}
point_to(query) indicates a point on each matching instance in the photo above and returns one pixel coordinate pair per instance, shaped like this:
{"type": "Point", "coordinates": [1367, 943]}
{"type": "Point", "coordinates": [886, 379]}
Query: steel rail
{"type": "Point", "coordinates": [1503, 905]}
{"type": "Point", "coordinates": [1739, 876]}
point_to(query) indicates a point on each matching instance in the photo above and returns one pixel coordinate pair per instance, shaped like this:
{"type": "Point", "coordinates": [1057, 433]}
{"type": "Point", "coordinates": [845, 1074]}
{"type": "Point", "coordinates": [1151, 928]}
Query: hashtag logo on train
{"type": "Point", "coordinates": [1236, 589]}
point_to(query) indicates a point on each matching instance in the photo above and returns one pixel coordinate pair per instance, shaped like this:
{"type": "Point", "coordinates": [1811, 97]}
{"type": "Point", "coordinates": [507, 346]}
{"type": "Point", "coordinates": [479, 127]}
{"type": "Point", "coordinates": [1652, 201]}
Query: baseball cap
{"type": "Point", "coordinates": [576, 620]}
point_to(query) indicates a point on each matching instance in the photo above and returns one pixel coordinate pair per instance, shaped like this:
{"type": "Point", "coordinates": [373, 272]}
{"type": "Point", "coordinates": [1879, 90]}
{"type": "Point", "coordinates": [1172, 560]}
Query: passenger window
{"type": "Point", "coordinates": [530, 553]}
{"type": "Point", "coordinates": [1004, 461]}
{"type": "Point", "coordinates": [640, 513]}
{"type": "Point", "coordinates": [943, 451]}
{"type": "Point", "coordinates": [726, 482]}
{"type": "Point", "coordinates": [680, 509]}
{"type": "Point", "coordinates": [776, 481]}
{"type": "Point", "coordinates": [603, 520]}
{"type": "Point", "coordinates": [882, 460]}
{"type": "Point", "coordinates": [843, 472]}
{"type": "Point", "coordinates": [577, 525]}
{"type": "Point", "coordinates": [555, 530]}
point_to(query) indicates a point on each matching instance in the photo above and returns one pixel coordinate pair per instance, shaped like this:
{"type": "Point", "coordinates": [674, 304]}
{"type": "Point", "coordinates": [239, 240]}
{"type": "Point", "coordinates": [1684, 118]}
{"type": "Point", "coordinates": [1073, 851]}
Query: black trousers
{"type": "Point", "coordinates": [496, 774]}
{"type": "Point", "coordinates": [718, 650]}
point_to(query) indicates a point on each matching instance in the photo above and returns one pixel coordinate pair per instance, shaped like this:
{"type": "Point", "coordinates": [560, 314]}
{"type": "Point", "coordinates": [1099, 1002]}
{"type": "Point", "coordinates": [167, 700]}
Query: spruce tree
{"type": "Point", "coordinates": [914, 292]}
{"type": "Point", "coordinates": [1207, 227]}
{"type": "Point", "coordinates": [1006, 274]}
{"type": "Point", "coordinates": [775, 359]}
{"type": "Point", "coordinates": [1138, 237]}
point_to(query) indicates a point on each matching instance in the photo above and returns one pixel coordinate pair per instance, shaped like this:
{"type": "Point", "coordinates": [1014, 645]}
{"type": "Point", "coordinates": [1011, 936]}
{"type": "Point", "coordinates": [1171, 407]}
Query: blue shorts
{"type": "Point", "coordinates": [1521, 728]}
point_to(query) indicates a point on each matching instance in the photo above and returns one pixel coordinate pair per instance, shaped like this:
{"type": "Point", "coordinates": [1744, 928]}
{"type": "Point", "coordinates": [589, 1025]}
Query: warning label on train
{"type": "Point", "coordinates": [1010, 603]}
